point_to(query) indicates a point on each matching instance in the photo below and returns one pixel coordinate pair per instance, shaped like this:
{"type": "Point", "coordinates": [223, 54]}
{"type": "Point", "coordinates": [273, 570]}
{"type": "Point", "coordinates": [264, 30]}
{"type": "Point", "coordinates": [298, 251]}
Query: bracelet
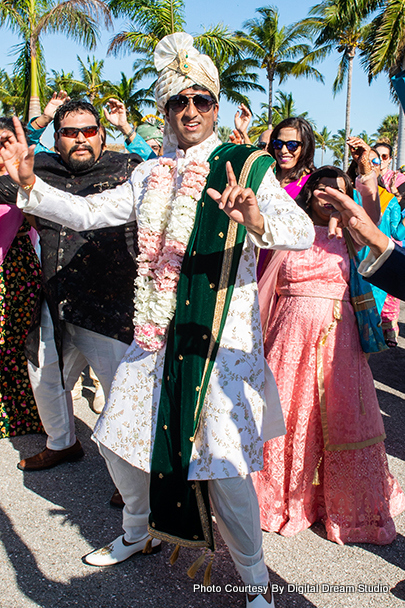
{"type": "Point", "coordinates": [29, 187]}
{"type": "Point", "coordinates": [38, 125]}
{"type": "Point", "coordinates": [130, 134]}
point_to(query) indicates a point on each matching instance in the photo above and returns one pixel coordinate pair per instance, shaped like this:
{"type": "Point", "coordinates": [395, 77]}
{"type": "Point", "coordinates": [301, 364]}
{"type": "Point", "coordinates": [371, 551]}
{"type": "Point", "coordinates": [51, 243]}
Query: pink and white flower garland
{"type": "Point", "coordinates": [165, 222]}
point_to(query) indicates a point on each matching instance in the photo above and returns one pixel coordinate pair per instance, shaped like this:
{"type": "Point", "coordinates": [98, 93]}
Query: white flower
{"type": "Point", "coordinates": [169, 218]}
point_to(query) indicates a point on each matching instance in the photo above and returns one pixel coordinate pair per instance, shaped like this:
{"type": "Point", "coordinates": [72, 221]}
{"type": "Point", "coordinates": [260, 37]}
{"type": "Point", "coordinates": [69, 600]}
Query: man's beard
{"type": "Point", "coordinates": [78, 165]}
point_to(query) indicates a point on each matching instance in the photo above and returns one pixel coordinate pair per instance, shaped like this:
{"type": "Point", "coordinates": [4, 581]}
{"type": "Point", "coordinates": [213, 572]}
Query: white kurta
{"type": "Point", "coordinates": [241, 409]}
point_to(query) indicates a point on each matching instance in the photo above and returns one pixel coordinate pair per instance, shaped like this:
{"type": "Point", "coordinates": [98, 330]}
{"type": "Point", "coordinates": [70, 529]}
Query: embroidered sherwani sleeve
{"type": "Point", "coordinates": [286, 225]}
{"type": "Point", "coordinates": [108, 208]}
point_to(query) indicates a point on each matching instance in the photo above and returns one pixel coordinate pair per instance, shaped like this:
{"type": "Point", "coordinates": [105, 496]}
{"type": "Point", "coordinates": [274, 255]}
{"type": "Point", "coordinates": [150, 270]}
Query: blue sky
{"type": "Point", "coordinates": [370, 104]}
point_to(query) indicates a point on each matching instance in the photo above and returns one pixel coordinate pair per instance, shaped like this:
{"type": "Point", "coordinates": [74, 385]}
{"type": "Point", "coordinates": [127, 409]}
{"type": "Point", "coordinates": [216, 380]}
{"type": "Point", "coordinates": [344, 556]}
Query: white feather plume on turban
{"type": "Point", "coordinates": [181, 66]}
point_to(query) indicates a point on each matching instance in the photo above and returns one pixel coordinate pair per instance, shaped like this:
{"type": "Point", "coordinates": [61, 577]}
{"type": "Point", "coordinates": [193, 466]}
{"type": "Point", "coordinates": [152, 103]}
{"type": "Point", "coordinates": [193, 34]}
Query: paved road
{"type": "Point", "coordinates": [49, 519]}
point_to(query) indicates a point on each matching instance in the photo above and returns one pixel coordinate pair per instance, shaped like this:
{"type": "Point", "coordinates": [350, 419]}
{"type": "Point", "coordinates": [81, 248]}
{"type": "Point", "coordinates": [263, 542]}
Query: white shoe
{"type": "Point", "coordinates": [77, 389]}
{"type": "Point", "coordinates": [117, 552]}
{"type": "Point", "coordinates": [98, 400]}
{"type": "Point", "coordinates": [260, 602]}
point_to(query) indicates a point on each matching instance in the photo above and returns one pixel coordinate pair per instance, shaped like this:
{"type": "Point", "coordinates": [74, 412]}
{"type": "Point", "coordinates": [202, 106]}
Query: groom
{"type": "Point", "coordinates": [193, 399]}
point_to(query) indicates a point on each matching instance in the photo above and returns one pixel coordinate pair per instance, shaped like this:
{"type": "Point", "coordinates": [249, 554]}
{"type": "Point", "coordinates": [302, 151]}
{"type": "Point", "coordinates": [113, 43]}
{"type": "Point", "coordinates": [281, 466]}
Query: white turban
{"type": "Point", "coordinates": [180, 67]}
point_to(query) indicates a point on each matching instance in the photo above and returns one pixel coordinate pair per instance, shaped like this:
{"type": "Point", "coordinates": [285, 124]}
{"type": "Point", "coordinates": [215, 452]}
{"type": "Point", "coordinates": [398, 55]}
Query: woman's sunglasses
{"type": "Point", "coordinates": [202, 103]}
{"type": "Point", "coordinates": [292, 145]}
{"type": "Point", "coordinates": [73, 132]}
{"type": "Point", "coordinates": [376, 161]}
{"type": "Point", "coordinates": [384, 156]}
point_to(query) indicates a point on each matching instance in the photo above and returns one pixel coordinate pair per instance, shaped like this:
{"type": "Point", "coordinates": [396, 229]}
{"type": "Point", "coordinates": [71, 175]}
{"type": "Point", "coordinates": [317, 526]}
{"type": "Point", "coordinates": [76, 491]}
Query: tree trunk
{"type": "Point", "coordinates": [401, 138]}
{"type": "Point", "coordinates": [35, 106]}
{"type": "Point", "coordinates": [270, 77]}
{"type": "Point", "coordinates": [401, 131]}
{"type": "Point", "coordinates": [348, 102]}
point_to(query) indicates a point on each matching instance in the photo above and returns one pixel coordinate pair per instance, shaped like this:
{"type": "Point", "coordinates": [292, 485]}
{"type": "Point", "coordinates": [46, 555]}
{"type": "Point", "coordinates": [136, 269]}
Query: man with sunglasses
{"type": "Point", "coordinates": [193, 399]}
{"type": "Point", "coordinates": [86, 310]}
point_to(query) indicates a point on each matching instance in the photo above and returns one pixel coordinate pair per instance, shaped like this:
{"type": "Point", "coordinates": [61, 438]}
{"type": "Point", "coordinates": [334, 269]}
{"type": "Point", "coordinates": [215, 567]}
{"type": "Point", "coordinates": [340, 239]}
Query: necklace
{"type": "Point", "coordinates": [165, 222]}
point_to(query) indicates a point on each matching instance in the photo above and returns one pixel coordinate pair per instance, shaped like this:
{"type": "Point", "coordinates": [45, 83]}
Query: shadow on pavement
{"type": "Point", "coordinates": [140, 581]}
{"type": "Point", "coordinates": [393, 553]}
{"type": "Point", "coordinates": [388, 368]}
{"type": "Point", "coordinates": [82, 489]}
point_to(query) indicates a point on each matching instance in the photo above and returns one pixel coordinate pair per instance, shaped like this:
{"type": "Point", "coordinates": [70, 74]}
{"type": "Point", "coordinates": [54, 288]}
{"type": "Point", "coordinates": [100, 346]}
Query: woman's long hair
{"type": "Point", "coordinates": [305, 162]}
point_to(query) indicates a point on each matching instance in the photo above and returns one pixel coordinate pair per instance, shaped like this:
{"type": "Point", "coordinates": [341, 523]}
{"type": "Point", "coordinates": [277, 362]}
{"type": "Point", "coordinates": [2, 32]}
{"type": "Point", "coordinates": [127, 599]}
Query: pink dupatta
{"type": "Point", "coordinates": [267, 282]}
{"type": "Point", "coordinates": [11, 219]}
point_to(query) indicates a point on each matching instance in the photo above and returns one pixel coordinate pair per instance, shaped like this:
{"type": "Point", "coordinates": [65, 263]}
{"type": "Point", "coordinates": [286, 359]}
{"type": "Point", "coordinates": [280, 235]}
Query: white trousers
{"type": "Point", "coordinates": [233, 501]}
{"type": "Point", "coordinates": [81, 347]}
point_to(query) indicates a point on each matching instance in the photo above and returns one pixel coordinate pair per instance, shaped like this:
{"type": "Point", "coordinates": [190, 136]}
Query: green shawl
{"type": "Point", "coordinates": [180, 510]}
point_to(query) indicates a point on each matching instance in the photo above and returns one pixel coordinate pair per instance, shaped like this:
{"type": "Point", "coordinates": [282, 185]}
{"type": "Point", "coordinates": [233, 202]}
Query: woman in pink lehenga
{"type": "Point", "coordinates": [331, 465]}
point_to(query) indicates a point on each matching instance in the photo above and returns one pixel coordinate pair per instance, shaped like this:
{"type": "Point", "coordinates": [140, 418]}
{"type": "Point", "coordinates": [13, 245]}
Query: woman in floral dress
{"type": "Point", "coordinates": [19, 288]}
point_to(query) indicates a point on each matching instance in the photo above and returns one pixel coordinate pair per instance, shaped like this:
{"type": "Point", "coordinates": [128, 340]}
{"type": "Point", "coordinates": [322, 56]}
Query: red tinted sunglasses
{"type": "Point", "coordinates": [73, 132]}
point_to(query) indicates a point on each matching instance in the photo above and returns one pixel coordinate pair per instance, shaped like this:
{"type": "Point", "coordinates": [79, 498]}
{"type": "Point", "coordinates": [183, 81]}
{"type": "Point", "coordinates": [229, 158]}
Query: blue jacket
{"type": "Point", "coordinates": [391, 276]}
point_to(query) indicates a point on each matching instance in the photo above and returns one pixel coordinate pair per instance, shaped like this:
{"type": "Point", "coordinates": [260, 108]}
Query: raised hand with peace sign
{"type": "Point", "coordinates": [239, 203]}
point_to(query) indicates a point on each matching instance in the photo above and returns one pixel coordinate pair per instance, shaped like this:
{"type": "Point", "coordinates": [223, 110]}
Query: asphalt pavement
{"type": "Point", "coordinates": [50, 519]}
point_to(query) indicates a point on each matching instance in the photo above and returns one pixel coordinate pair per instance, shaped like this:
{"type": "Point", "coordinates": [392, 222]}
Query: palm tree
{"type": "Point", "coordinates": [338, 146]}
{"type": "Point", "coordinates": [388, 132]}
{"type": "Point", "coordinates": [236, 78]}
{"type": "Point", "coordinates": [11, 94]}
{"type": "Point", "coordinates": [324, 141]}
{"type": "Point", "coordinates": [338, 25]}
{"type": "Point", "coordinates": [259, 123]}
{"type": "Point", "coordinates": [388, 129]}
{"type": "Point", "coordinates": [30, 20]}
{"type": "Point", "coordinates": [224, 133]}
{"type": "Point", "coordinates": [65, 81]}
{"type": "Point", "coordinates": [132, 97]}
{"type": "Point", "coordinates": [368, 139]}
{"type": "Point", "coordinates": [154, 19]}
{"type": "Point", "coordinates": [284, 108]}
{"type": "Point", "coordinates": [385, 51]}
{"type": "Point", "coordinates": [93, 85]}
{"type": "Point", "coordinates": [276, 49]}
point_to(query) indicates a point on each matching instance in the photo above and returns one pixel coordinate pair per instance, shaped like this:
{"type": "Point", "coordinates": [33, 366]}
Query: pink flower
{"type": "Point", "coordinates": [199, 167]}
{"type": "Point", "coordinates": [193, 180]}
{"type": "Point", "coordinates": [193, 192]}
{"type": "Point", "coordinates": [167, 276]}
{"type": "Point", "coordinates": [161, 176]}
{"type": "Point", "coordinates": [175, 247]}
{"type": "Point", "coordinates": [162, 183]}
{"type": "Point", "coordinates": [144, 269]}
{"type": "Point", "coordinates": [150, 243]}
{"type": "Point", "coordinates": [150, 337]}
{"type": "Point", "coordinates": [167, 161]}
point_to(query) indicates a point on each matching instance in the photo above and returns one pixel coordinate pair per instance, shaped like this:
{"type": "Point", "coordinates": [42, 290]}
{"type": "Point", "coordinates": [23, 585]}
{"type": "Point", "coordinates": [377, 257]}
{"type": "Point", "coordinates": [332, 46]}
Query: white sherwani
{"type": "Point", "coordinates": [241, 408]}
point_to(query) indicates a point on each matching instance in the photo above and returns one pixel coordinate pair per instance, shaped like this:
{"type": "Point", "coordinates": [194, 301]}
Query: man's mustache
{"type": "Point", "coordinates": [82, 147]}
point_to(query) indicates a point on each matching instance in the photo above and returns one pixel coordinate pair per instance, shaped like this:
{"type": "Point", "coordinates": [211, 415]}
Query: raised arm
{"type": "Point", "coordinates": [108, 208]}
{"type": "Point", "coordinates": [366, 181]}
{"type": "Point", "coordinates": [272, 217]}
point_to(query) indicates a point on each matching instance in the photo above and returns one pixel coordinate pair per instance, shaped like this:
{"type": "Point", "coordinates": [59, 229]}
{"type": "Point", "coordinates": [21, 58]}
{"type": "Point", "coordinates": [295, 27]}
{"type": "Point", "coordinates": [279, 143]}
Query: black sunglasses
{"type": "Point", "coordinates": [262, 145]}
{"type": "Point", "coordinates": [73, 132]}
{"type": "Point", "coordinates": [202, 103]}
{"type": "Point", "coordinates": [292, 145]}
